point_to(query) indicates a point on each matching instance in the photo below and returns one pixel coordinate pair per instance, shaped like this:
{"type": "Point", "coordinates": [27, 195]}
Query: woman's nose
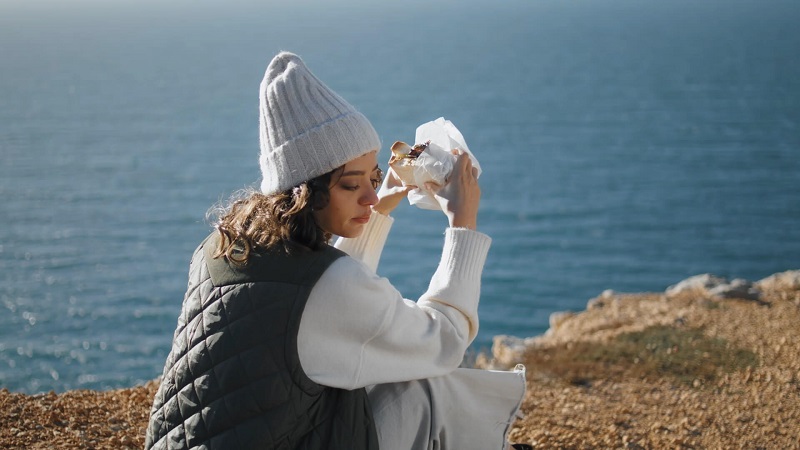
{"type": "Point", "coordinates": [369, 198]}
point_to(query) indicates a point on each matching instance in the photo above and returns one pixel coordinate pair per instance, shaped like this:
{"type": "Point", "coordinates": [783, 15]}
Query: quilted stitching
{"type": "Point", "coordinates": [233, 381]}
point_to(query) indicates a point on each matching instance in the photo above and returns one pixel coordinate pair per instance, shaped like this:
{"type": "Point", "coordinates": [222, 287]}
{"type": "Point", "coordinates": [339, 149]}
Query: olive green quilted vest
{"type": "Point", "coordinates": [233, 378]}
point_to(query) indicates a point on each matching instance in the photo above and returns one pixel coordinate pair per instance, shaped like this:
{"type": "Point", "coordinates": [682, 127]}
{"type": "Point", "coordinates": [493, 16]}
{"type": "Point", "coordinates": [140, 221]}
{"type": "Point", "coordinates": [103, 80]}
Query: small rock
{"type": "Point", "coordinates": [702, 282]}
{"type": "Point", "coordinates": [601, 300]}
{"type": "Point", "coordinates": [558, 318]}
{"type": "Point", "coordinates": [507, 351]}
{"type": "Point", "coordinates": [737, 288]}
{"type": "Point", "coordinates": [595, 303]}
{"type": "Point", "coordinates": [782, 280]}
{"type": "Point", "coordinates": [714, 286]}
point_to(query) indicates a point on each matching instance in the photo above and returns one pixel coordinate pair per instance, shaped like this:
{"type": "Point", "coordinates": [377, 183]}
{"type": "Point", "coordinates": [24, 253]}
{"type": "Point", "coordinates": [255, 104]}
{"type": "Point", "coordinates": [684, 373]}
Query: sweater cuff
{"type": "Point", "coordinates": [369, 246]}
{"type": "Point", "coordinates": [464, 253]}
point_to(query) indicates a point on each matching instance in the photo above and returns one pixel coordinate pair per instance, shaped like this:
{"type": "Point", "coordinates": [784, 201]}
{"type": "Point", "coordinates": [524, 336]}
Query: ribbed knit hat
{"type": "Point", "coordinates": [305, 129]}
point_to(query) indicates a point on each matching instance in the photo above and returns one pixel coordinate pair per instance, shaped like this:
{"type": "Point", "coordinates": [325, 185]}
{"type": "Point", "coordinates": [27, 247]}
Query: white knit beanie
{"type": "Point", "coordinates": [305, 128]}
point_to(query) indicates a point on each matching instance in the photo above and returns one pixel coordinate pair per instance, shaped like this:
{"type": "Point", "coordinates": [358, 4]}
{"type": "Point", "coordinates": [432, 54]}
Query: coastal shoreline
{"type": "Point", "coordinates": [710, 363]}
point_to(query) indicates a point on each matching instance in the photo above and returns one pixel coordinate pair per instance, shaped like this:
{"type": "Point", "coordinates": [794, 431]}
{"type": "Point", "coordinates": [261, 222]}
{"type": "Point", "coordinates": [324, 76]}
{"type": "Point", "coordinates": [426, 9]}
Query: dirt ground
{"type": "Point", "coordinates": [688, 370]}
{"type": "Point", "coordinates": [76, 419]}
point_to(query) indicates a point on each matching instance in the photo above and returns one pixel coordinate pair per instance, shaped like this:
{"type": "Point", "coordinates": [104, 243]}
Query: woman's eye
{"type": "Point", "coordinates": [351, 187]}
{"type": "Point", "coordinates": [376, 182]}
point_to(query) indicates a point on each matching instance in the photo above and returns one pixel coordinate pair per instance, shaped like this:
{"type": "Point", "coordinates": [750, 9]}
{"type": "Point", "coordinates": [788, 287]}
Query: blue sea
{"type": "Point", "coordinates": [625, 145]}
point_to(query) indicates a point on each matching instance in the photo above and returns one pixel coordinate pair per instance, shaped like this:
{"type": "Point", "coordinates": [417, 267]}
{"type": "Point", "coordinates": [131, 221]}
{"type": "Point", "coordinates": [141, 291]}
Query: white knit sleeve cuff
{"type": "Point", "coordinates": [369, 246]}
{"type": "Point", "coordinates": [464, 254]}
{"type": "Point", "coordinates": [456, 284]}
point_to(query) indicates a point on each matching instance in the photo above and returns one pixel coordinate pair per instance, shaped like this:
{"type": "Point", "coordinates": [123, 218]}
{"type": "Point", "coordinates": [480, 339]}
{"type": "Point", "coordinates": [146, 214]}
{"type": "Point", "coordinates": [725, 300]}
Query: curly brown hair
{"type": "Point", "coordinates": [253, 221]}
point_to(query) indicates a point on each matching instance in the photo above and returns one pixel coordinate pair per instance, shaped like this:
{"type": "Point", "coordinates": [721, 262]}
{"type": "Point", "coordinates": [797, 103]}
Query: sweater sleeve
{"type": "Point", "coordinates": [369, 246]}
{"type": "Point", "coordinates": [358, 330]}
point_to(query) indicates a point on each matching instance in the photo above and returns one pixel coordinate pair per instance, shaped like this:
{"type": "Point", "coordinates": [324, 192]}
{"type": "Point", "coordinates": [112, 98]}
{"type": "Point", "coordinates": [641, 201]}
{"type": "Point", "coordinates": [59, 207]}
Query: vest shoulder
{"type": "Point", "coordinates": [299, 267]}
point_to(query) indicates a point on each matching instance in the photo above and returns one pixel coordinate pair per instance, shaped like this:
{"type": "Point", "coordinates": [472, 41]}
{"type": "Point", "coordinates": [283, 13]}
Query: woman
{"type": "Point", "coordinates": [286, 342]}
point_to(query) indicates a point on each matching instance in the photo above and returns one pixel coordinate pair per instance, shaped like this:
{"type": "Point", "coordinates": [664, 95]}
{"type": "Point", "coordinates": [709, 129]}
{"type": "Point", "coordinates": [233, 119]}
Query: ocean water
{"type": "Point", "coordinates": [626, 145]}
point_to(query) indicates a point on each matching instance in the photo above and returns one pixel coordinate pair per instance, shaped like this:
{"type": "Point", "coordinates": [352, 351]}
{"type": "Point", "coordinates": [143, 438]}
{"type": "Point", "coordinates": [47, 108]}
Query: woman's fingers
{"type": "Point", "coordinates": [464, 163]}
{"type": "Point", "coordinates": [391, 179]}
{"type": "Point", "coordinates": [459, 197]}
{"type": "Point", "coordinates": [434, 187]}
{"type": "Point", "coordinates": [391, 193]}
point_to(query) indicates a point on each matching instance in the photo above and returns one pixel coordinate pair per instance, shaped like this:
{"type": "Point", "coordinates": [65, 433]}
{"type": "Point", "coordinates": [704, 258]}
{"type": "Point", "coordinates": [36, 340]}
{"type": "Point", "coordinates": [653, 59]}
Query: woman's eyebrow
{"type": "Point", "coordinates": [350, 173]}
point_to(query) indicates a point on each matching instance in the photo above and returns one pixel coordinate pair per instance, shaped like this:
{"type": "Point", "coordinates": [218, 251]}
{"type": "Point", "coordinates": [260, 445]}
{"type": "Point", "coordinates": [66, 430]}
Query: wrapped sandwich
{"type": "Point", "coordinates": [429, 161]}
{"type": "Point", "coordinates": [404, 158]}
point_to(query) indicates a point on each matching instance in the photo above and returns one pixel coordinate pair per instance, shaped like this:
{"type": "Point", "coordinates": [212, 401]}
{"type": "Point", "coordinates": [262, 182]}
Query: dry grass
{"type": "Point", "coordinates": [685, 355]}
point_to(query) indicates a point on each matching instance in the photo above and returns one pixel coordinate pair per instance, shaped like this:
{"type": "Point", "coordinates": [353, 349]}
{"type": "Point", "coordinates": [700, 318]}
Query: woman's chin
{"type": "Point", "coordinates": [352, 232]}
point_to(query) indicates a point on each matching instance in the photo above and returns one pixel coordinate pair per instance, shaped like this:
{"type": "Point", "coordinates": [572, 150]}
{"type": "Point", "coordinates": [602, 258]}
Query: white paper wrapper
{"type": "Point", "coordinates": [436, 163]}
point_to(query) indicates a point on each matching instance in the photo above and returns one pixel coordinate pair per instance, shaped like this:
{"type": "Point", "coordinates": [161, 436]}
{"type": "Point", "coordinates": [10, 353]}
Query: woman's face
{"type": "Point", "coordinates": [351, 196]}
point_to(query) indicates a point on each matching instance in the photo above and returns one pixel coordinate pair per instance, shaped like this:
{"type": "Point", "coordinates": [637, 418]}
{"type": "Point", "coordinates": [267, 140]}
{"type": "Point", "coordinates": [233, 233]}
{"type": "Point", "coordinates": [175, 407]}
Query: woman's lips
{"type": "Point", "coordinates": [362, 219]}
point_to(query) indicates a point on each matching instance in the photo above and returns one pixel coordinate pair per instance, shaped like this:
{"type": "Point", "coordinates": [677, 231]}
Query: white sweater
{"type": "Point", "coordinates": [358, 330]}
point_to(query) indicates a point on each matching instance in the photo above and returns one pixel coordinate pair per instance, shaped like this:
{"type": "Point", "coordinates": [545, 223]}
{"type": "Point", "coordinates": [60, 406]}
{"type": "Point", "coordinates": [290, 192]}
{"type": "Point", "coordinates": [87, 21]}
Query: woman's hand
{"type": "Point", "coordinates": [461, 194]}
{"type": "Point", "coordinates": [391, 193]}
